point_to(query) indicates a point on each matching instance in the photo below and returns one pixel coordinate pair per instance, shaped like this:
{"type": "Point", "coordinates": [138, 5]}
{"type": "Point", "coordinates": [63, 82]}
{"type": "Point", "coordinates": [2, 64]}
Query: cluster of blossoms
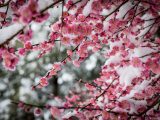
{"type": "Point", "coordinates": [128, 86]}
{"type": "Point", "coordinates": [10, 60]}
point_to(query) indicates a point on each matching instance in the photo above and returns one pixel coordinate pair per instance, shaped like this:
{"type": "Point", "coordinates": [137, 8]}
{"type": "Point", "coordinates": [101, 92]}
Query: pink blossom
{"type": "Point", "coordinates": [52, 72]}
{"type": "Point", "coordinates": [57, 66]}
{"type": "Point", "coordinates": [9, 60]}
{"type": "Point", "coordinates": [81, 17]}
{"type": "Point", "coordinates": [136, 62]}
{"type": "Point", "coordinates": [28, 45]}
{"type": "Point", "coordinates": [21, 51]}
{"type": "Point", "coordinates": [21, 104]}
{"type": "Point", "coordinates": [43, 82]}
{"type": "Point", "coordinates": [55, 27]}
{"type": "Point", "coordinates": [96, 6]}
{"type": "Point", "coordinates": [105, 115]}
{"type": "Point", "coordinates": [28, 11]}
{"type": "Point", "coordinates": [55, 112]}
{"type": "Point", "coordinates": [69, 52]}
{"type": "Point", "coordinates": [37, 111]}
{"type": "Point", "coordinates": [65, 41]}
{"type": "Point", "coordinates": [153, 66]}
{"type": "Point", "coordinates": [76, 63]}
{"type": "Point", "coordinates": [89, 87]}
{"type": "Point", "coordinates": [124, 104]}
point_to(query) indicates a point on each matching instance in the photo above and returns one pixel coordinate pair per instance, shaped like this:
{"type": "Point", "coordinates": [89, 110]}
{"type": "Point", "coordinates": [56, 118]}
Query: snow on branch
{"type": "Point", "coordinates": [10, 32]}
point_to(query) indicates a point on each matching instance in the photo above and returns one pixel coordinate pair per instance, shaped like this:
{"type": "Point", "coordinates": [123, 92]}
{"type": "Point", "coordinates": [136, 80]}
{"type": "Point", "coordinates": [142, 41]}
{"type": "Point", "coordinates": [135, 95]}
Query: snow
{"type": "Point", "coordinates": [67, 77]}
{"type": "Point", "coordinates": [36, 26]}
{"type": "Point", "coordinates": [4, 104]}
{"type": "Point", "coordinates": [124, 9]}
{"type": "Point", "coordinates": [44, 3]}
{"type": "Point", "coordinates": [2, 86]}
{"type": "Point", "coordinates": [91, 62]}
{"type": "Point", "coordinates": [147, 23]}
{"type": "Point", "coordinates": [134, 103]}
{"type": "Point", "coordinates": [136, 89]}
{"type": "Point", "coordinates": [9, 31]}
{"type": "Point", "coordinates": [113, 59]}
{"type": "Point", "coordinates": [25, 89]}
{"type": "Point", "coordinates": [127, 74]}
{"type": "Point", "coordinates": [141, 51]}
{"type": "Point", "coordinates": [87, 8]}
{"type": "Point", "coordinates": [55, 12]}
{"type": "Point", "coordinates": [69, 114]}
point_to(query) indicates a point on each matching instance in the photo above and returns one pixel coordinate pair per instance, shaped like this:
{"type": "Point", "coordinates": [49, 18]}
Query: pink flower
{"type": "Point", "coordinates": [20, 104]}
{"type": "Point", "coordinates": [156, 70]}
{"type": "Point", "coordinates": [105, 115]}
{"type": "Point", "coordinates": [69, 52]}
{"type": "Point", "coordinates": [136, 62]}
{"type": "Point", "coordinates": [21, 51]}
{"type": "Point", "coordinates": [65, 40]}
{"type": "Point", "coordinates": [37, 111]}
{"type": "Point", "coordinates": [89, 87]}
{"type": "Point", "coordinates": [96, 6]}
{"type": "Point", "coordinates": [57, 66]}
{"type": "Point", "coordinates": [124, 104]}
{"type": "Point", "coordinates": [42, 17]}
{"type": "Point", "coordinates": [9, 60]}
{"type": "Point", "coordinates": [28, 45]}
{"type": "Point", "coordinates": [157, 40]}
{"type": "Point", "coordinates": [81, 17]}
{"type": "Point", "coordinates": [52, 72]}
{"type": "Point", "coordinates": [77, 40]}
{"type": "Point", "coordinates": [55, 27]}
{"type": "Point", "coordinates": [55, 112]}
{"type": "Point", "coordinates": [27, 12]}
{"type": "Point", "coordinates": [99, 27]}
{"type": "Point", "coordinates": [74, 98]}
{"type": "Point", "coordinates": [76, 63]}
{"type": "Point", "coordinates": [153, 66]}
{"type": "Point", "coordinates": [43, 82]}
{"type": "Point", "coordinates": [53, 36]}
{"type": "Point", "coordinates": [2, 15]}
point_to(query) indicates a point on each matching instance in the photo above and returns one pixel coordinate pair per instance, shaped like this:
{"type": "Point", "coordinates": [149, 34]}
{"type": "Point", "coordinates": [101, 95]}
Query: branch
{"type": "Point", "coordinates": [62, 61]}
{"type": "Point", "coordinates": [100, 94]}
{"type": "Point", "coordinates": [115, 9]}
{"type": "Point", "coordinates": [152, 53]}
{"type": "Point", "coordinates": [45, 9]}
{"type": "Point", "coordinates": [148, 107]}
{"type": "Point", "coordinates": [59, 107]}
{"type": "Point", "coordinates": [74, 4]}
{"type": "Point", "coordinates": [5, 4]}
{"type": "Point", "coordinates": [3, 31]}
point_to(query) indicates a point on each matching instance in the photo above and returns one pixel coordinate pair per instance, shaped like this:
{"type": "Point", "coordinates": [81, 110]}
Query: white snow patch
{"type": "Point", "coordinates": [135, 103]}
{"type": "Point", "coordinates": [25, 90]}
{"type": "Point", "coordinates": [9, 31]}
{"type": "Point", "coordinates": [44, 3]}
{"type": "Point", "coordinates": [136, 89]}
{"type": "Point", "coordinates": [147, 23]}
{"type": "Point", "coordinates": [141, 51]}
{"type": "Point", "coordinates": [113, 59]}
{"type": "Point", "coordinates": [91, 63]}
{"type": "Point", "coordinates": [4, 105]}
{"type": "Point", "coordinates": [69, 114]}
{"type": "Point", "coordinates": [87, 8]}
{"type": "Point", "coordinates": [124, 9]}
{"type": "Point", "coordinates": [127, 74]}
